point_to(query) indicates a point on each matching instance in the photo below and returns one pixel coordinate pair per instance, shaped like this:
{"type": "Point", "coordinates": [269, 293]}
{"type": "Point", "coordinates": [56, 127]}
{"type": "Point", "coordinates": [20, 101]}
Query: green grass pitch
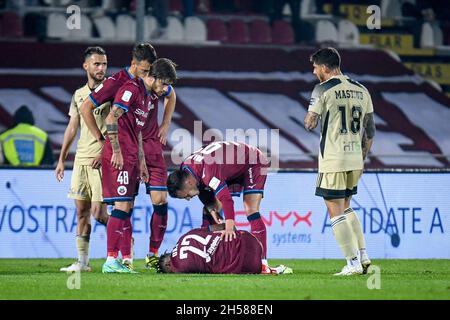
{"type": "Point", "coordinates": [312, 279]}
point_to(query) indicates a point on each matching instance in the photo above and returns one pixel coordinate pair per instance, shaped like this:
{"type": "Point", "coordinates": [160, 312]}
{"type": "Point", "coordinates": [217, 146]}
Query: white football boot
{"type": "Point", "coordinates": [365, 261]}
{"type": "Point", "coordinates": [76, 267]}
{"type": "Point", "coordinates": [350, 269]}
{"type": "Point", "coordinates": [282, 269]}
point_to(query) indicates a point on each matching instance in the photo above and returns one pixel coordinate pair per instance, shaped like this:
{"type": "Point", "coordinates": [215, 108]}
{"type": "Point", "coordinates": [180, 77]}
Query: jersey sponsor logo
{"type": "Point", "coordinates": [98, 88]}
{"type": "Point", "coordinates": [121, 190]}
{"type": "Point", "coordinates": [212, 248]}
{"type": "Point", "coordinates": [140, 112]}
{"type": "Point", "coordinates": [126, 96]}
{"type": "Point", "coordinates": [351, 146]}
{"type": "Point", "coordinates": [140, 123]}
{"type": "Point", "coordinates": [214, 183]}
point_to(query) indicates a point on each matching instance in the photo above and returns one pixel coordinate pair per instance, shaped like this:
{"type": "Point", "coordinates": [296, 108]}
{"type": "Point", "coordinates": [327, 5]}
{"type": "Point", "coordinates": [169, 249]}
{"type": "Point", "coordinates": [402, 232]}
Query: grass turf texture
{"type": "Point", "coordinates": [312, 279]}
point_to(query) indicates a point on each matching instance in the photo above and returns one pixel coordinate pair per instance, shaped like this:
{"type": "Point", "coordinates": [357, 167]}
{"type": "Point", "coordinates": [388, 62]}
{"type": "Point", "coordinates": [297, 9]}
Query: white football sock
{"type": "Point", "coordinates": [353, 221]}
{"type": "Point", "coordinates": [344, 237]}
{"type": "Point", "coordinates": [81, 249]}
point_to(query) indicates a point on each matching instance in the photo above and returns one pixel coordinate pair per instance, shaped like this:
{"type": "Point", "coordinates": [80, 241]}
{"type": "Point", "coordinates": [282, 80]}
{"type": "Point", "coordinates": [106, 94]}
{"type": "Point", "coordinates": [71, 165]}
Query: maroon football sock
{"type": "Point", "coordinates": [158, 225]}
{"type": "Point", "coordinates": [125, 243]}
{"type": "Point", "coordinates": [258, 229]}
{"type": "Point", "coordinates": [114, 231]}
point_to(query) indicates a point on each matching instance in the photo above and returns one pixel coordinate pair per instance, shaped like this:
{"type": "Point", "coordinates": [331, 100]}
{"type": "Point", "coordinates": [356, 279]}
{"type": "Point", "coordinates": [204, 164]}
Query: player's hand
{"type": "Point", "coordinates": [117, 160]}
{"type": "Point", "coordinates": [311, 120]}
{"type": "Point", "coordinates": [228, 234]}
{"type": "Point", "coordinates": [143, 172]}
{"type": "Point", "coordinates": [59, 171]}
{"type": "Point", "coordinates": [97, 162]}
{"type": "Point", "coordinates": [162, 134]}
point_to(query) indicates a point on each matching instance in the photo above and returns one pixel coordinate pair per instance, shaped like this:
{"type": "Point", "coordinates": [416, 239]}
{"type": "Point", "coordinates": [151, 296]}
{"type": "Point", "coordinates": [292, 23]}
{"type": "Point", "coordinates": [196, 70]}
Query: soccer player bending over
{"type": "Point", "coordinates": [132, 106]}
{"type": "Point", "coordinates": [225, 168]}
{"type": "Point", "coordinates": [345, 109]}
{"type": "Point", "coordinates": [202, 250]}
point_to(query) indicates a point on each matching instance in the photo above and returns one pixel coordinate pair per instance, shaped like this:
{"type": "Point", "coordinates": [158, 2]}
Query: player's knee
{"type": "Point", "coordinates": [123, 206]}
{"type": "Point", "coordinates": [251, 203]}
{"type": "Point", "coordinates": [83, 212]}
{"type": "Point", "coordinates": [251, 208]}
{"type": "Point", "coordinates": [159, 197]}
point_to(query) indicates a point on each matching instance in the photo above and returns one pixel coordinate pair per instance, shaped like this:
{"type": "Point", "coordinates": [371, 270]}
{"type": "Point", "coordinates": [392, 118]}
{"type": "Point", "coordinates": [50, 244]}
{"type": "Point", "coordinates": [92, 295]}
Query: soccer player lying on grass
{"type": "Point", "coordinates": [203, 250]}
{"type": "Point", "coordinates": [227, 169]}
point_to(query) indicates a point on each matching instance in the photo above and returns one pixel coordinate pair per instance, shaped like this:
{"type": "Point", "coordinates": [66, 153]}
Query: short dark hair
{"type": "Point", "coordinates": [93, 50]}
{"type": "Point", "coordinates": [144, 51]}
{"type": "Point", "coordinates": [175, 182]}
{"type": "Point", "coordinates": [164, 69]}
{"type": "Point", "coordinates": [164, 265]}
{"type": "Point", "coordinates": [327, 56]}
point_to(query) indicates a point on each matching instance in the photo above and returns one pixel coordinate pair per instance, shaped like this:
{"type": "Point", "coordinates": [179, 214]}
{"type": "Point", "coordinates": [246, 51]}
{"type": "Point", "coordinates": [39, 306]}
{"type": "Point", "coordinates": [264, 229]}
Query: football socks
{"type": "Point", "coordinates": [344, 236]}
{"type": "Point", "coordinates": [353, 220]}
{"type": "Point", "coordinates": [158, 225]}
{"type": "Point", "coordinates": [258, 229]}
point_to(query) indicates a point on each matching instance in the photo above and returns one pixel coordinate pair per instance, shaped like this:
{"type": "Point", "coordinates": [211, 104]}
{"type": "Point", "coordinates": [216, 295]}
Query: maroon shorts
{"type": "Point", "coordinates": [252, 181]}
{"type": "Point", "coordinates": [157, 172]}
{"type": "Point", "coordinates": [119, 185]}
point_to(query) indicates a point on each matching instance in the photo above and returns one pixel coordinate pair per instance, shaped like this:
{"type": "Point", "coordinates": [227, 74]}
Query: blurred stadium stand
{"type": "Point", "coordinates": [240, 59]}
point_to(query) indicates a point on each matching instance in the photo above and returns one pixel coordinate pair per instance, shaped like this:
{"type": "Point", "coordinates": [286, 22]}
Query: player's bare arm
{"type": "Point", "coordinates": [112, 128]}
{"type": "Point", "coordinates": [369, 133]}
{"type": "Point", "coordinates": [88, 117]}
{"type": "Point", "coordinates": [311, 120]}
{"type": "Point", "coordinates": [69, 135]}
{"type": "Point", "coordinates": [143, 171]}
{"type": "Point", "coordinates": [169, 107]}
{"type": "Point", "coordinates": [214, 209]}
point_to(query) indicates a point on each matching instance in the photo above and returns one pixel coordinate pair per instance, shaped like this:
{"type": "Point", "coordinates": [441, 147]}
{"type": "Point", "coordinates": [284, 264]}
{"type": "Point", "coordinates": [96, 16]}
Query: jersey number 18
{"type": "Point", "coordinates": [355, 124]}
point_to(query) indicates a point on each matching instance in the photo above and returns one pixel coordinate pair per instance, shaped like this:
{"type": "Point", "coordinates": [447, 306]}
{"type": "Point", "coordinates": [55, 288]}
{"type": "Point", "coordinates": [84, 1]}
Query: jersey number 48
{"type": "Point", "coordinates": [122, 178]}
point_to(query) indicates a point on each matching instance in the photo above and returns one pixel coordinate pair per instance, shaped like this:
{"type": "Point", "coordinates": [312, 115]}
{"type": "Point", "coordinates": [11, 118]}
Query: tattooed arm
{"type": "Point", "coordinates": [368, 134]}
{"type": "Point", "coordinates": [112, 128]}
{"type": "Point", "coordinates": [311, 120]}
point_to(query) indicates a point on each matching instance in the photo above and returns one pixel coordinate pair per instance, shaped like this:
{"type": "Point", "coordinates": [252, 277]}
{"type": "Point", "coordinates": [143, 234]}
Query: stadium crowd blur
{"type": "Point", "coordinates": [340, 23]}
{"type": "Point", "coordinates": [29, 17]}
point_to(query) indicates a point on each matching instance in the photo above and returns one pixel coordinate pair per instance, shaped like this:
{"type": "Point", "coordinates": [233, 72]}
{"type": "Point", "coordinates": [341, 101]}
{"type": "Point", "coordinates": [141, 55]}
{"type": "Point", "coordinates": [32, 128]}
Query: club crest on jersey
{"type": "Point", "coordinates": [121, 190]}
{"type": "Point", "coordinates": [150, 106]}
